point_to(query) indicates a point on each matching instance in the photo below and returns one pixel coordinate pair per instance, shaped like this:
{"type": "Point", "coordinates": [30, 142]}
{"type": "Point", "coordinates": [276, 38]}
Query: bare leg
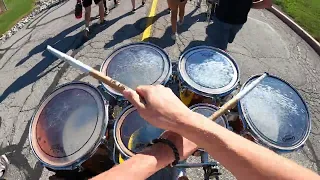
{"type": "Point", "coordinates": [87, 16]}
{"type": "Point", "coordinates": [182, 7]}
{"type": "Point", "coordinates": [173, 5]}
{"type": "Point", "coordinates": [174, 14]}
{"type": "Point", "coordinates": [105, 4]}
{"type": "Point", "coordinates": [133, 4]}
{"type": "Point", "coordinates": [101, 11]}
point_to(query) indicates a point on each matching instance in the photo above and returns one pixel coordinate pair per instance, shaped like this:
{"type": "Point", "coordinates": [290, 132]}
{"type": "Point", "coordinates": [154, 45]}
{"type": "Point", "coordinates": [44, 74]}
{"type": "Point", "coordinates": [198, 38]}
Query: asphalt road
{"type": "Point", "coordinates": [29, 73]}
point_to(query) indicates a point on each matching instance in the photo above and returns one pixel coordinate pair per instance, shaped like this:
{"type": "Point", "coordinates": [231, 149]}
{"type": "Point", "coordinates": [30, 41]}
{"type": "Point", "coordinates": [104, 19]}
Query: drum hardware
{"type": "Point", "coordinates": [240, 119]}
{"type": "Point", "coordinates": [179, 174]}
{"type": "Point", "coordinates": [232, 116]}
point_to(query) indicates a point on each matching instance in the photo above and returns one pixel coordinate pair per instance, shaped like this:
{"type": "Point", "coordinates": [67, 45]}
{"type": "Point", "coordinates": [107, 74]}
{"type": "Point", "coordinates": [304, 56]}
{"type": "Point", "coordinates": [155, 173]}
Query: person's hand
{"type": "Point", "coordinates": [162, 108]}
{"type": "Point", "coordinates": [184, 146]}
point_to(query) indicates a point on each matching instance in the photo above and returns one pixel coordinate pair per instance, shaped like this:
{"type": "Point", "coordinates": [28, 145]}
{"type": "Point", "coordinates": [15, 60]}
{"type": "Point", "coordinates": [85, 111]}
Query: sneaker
{"type": "Point", "coordinates": [86, 32]}
{"type": "Point", "coordinates": [174, 36]}
{"type": "Point", "coordinates": [169, 11]}
{"type": "Point", "coordinates": [4, 162]}
{"type": "Point", "coordinates": [143, 2]}
{"type": "Point", "coordinates": [133, 10]}
{"type": "Point", "coordinates": [106, 11]}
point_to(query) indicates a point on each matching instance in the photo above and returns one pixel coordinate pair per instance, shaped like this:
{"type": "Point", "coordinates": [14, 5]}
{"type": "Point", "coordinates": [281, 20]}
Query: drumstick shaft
{"type": "Point", "coordinates": [231, 103]}
{"type": "Point", "coordinates": [87, 69]}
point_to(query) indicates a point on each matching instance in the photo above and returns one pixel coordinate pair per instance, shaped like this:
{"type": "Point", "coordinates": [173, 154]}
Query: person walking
{"type": "Point", "coordinates": [175, 6]}
{"type": "Point", "coordinates": [87, 17]}
{"type": "Point", "coordinates": [106, 7]}
{"type": "Point", "coordinates": [229, 18]}
{"type": "Point", "coordinates": [134, 4]}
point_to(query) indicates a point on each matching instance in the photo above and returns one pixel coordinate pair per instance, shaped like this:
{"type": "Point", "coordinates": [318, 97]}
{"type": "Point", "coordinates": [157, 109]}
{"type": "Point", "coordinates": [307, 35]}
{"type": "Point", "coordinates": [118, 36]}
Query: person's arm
{"type": "Point", "coordinates": [141, 166]}
{"type": "Point", "coordinates": [245, 159]}
{"type": "Point", "coordinates": [262, 4]}
{"type": "Point", "coordinates": [151, 160]}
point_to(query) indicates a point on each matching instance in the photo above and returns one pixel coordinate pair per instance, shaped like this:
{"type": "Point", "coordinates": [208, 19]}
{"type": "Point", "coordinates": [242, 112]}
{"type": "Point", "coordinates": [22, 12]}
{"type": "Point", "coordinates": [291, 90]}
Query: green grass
{"type": "Point", "coordinates": [305, 12]}
{"type": "Point", "coordinates": [17, 9]}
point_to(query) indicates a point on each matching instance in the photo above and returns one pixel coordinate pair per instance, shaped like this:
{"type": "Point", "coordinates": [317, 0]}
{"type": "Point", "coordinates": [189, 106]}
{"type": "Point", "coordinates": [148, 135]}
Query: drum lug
{"type": "Point", "coordinates": [104, 140]}
{"type": "Point", "coordinates": [232, 116]}
{"type": "Point", "coordinates": [80, 168]}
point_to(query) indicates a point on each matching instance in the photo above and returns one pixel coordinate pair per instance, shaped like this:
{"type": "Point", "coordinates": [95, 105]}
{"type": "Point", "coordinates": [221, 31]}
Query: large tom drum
{"type": "Point", "coordinates": [206, 72]}
{"type": "Point", "coordinates": [69, 126]}
{"type": "Point", "coordinates": [137, 64]}
{"type": "Point", "coordinates": [275, 115]}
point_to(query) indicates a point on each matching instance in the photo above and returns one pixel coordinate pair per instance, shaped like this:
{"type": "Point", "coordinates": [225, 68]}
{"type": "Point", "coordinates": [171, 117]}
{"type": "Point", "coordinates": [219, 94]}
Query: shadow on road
{"type": "Point", "coordinates": [189, 20]}
{"type": "Point", "coordinates": [131, 30]}
{"type": "Point", "coordinates": [63, 43]}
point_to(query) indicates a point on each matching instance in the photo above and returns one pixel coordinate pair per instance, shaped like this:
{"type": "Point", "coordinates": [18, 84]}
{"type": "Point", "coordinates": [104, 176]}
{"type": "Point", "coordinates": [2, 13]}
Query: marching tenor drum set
{"type": "Point", "coordinates": [78, 121]}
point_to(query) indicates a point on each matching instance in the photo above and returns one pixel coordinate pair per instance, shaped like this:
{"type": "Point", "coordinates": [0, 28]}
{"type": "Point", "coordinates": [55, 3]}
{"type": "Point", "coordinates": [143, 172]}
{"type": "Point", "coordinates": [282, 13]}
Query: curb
{"type": "Point", "coordinates": [296, 28]}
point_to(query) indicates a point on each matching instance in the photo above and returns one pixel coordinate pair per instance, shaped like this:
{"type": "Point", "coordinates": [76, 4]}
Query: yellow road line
{"type": "Point", "coordinates": [147, 31]}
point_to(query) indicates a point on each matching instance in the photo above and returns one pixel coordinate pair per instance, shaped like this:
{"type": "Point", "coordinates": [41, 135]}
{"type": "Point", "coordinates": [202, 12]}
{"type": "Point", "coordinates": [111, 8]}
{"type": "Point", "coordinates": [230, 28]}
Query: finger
{"type": "Point", "coordinates": [134, 98]}
{"type": "Point", "coordinates": [143, 91]}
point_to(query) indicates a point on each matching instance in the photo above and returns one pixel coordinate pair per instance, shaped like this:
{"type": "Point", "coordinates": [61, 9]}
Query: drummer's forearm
{"type": "Point", "coordinates": [245, 159]}
{"type": "Point", "coordinates": [141, 166]}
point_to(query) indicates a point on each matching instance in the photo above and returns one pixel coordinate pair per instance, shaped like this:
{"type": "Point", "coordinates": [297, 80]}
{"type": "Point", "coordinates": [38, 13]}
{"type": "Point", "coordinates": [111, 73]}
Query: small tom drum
{"type": "Point", "coordinates": [206, 72]}
{"type": "Point", "coordinates": [207, 110]}
{"type": "Point", "coordinates": [132, 133]}
{"type": "Point", "coordinates": [69, 126]}
{"type": "Point", "coordinates": [275, 115]}
{"type": "Point", "coordinates": [137, 64]}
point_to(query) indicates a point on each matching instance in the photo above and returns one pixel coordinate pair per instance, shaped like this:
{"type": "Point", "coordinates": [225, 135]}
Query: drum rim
{"type": "Point", "coordinates": [263, 138]}
{"type": "Point", "coordinates": [164, 77]}
{"type": "Point", "coordinates": [76, 163]}
{"type": "Point", "coordinates": [213, 107]}
{"type": "Point", "coordinates": [185, 78]}
{"type": "Point", "coordinates": [117, 134]}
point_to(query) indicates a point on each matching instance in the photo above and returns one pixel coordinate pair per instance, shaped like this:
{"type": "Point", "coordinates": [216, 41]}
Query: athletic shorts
{"type": "Point", "coordinates": [87, 3]}
{"type": "Point", "coordinates": [222, 33]}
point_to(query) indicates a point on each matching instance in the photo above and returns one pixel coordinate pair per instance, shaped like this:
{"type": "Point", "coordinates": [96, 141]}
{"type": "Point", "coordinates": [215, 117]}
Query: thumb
{"type": "Point", "coordinates": [134, 98]}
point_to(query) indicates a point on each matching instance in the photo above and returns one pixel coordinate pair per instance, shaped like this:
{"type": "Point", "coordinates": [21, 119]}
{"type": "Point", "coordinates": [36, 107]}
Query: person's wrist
{"type": "Point", "coordinates": [179, 116]}
{"type": "Point", "coordinates": [184, 119]}
{"type": "Point", "coordinates": [162, 152]}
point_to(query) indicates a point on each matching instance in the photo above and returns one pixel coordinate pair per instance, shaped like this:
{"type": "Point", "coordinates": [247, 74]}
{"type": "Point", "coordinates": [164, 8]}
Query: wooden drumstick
{"type": "Point", "coordinates": [232, 102]}
{"type": "Point", "coordinates": [87, 69]}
